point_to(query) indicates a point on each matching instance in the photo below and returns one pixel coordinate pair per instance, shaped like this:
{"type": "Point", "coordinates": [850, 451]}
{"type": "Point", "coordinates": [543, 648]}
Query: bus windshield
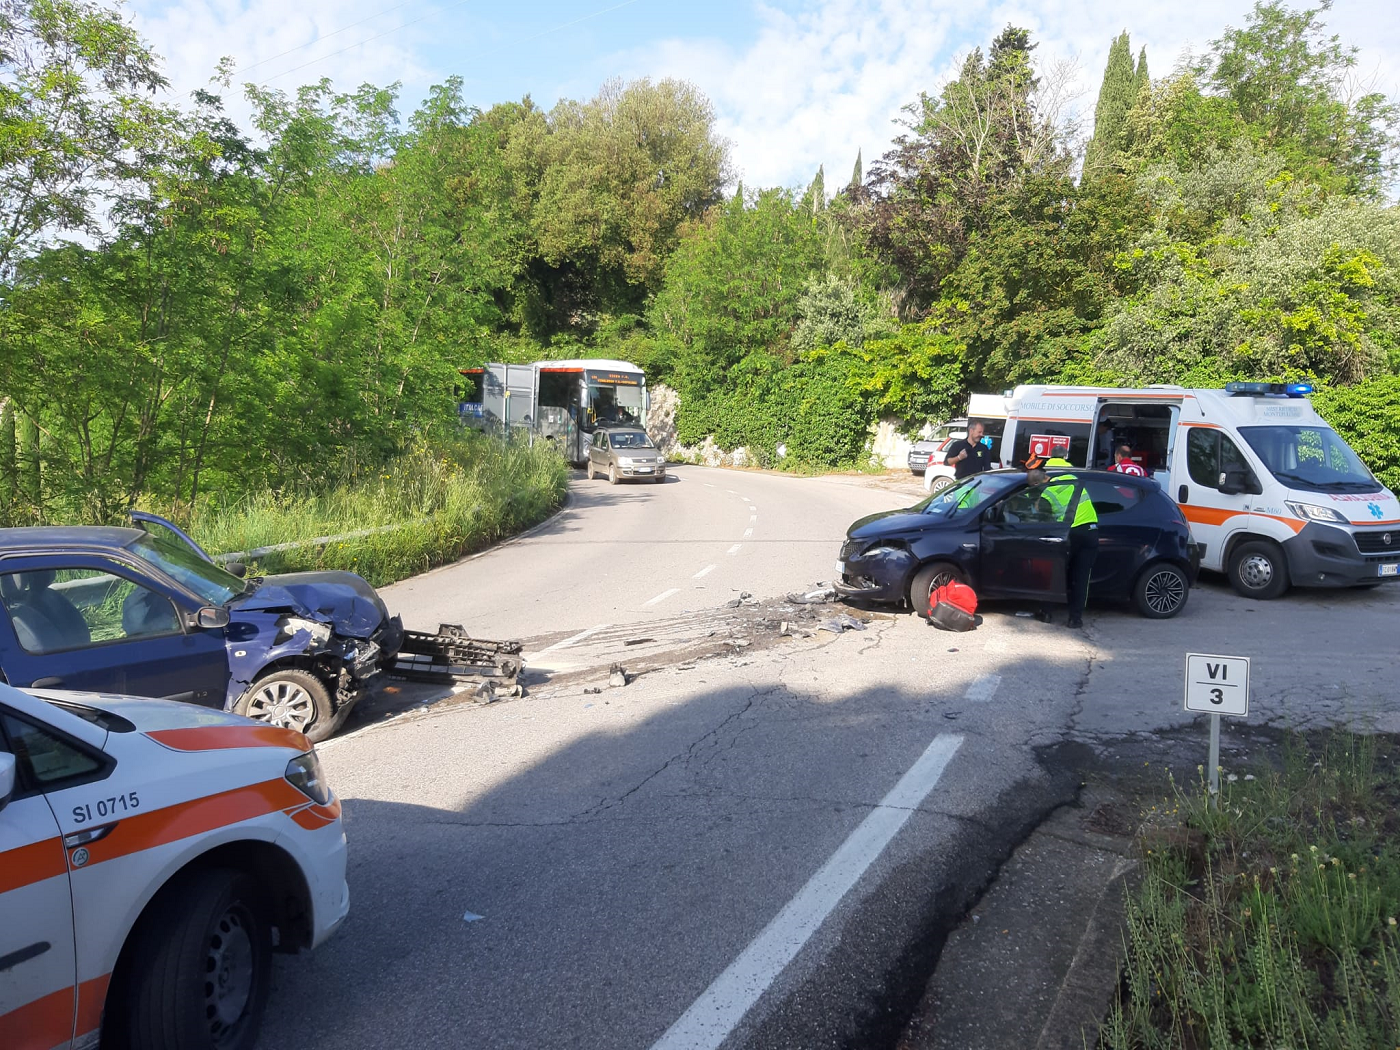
{"type": "Point", "coordinates": [615, 404]}
{"type": "Point", "coordinates": [1314, 459]}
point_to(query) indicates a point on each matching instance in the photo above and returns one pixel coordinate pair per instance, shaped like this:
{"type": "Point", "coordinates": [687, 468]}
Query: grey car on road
{"type": "Point", "coordinates": [623, 453]}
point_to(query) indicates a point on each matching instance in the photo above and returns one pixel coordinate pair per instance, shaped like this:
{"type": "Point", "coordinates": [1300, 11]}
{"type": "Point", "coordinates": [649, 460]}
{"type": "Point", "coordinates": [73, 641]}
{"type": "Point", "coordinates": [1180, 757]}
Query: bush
{"type": "Point", "coordinates": [1367, 415]}
{"type": "Point", "coordinates": [430, 506]}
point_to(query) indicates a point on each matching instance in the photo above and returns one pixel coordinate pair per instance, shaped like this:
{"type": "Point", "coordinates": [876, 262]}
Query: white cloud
{"type": "Point", "coordinates": [821, 82]}
{"type": "Point", "coordinates": [281, 44]}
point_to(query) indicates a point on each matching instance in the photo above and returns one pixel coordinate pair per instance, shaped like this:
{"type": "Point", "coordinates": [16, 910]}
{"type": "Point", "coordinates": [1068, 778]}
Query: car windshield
{"type": "Point", "coordinates": [1314, 459]}
{"type": "Point", "coordinates": [968, 495]}
{"type": "Point", "coordinates": [629, 439]}
{"type": "Point", "coordinates": [211, 583]}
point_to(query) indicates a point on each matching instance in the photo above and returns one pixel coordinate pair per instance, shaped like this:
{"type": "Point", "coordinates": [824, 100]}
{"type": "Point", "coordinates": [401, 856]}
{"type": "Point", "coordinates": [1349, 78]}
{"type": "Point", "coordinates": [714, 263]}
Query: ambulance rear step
{"type": "Point", "coordinates": [451, 656]}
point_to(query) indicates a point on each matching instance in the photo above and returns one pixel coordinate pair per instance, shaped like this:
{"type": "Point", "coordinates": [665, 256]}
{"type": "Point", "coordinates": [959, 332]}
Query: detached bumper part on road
{"type": "Point", "coordinates": [1323, 556]}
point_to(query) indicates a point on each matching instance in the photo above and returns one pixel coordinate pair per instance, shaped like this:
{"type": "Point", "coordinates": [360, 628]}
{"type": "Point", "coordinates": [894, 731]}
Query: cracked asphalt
{"type": "Point", "coordinates": [575, 869]}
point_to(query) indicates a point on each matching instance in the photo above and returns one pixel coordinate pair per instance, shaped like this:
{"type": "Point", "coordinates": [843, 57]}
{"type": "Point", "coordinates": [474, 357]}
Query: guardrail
{"type": "Point", "coordinates": [258, 552]}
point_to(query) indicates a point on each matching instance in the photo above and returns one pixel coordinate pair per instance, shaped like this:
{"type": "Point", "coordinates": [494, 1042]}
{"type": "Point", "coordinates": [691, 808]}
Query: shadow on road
{"type": "Point", "coordinates": [616, 876]}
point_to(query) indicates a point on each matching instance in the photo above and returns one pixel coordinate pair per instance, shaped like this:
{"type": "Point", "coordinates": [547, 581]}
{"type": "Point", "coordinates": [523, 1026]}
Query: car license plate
{"type": "Point", "coordinates": [1392, 569]}
{"type": "Point", "coordinates": [840, 568]}
{"type": "Point", "coordinates": [643, 470]}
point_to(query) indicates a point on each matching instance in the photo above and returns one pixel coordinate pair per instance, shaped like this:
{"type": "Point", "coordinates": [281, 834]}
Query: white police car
{"type": "Point", "coordinates": [152, 857]}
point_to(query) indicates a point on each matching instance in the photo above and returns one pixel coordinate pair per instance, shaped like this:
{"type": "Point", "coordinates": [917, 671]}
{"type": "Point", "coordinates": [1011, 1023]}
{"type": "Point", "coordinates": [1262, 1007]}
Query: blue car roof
{"type": "Point", "coordinates": [49, 537]}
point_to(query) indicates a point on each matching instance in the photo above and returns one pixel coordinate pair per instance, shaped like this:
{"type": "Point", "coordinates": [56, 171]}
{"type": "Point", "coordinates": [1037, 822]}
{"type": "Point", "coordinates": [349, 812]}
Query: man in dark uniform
{"type": "Point", "coordinates": [969, 456]}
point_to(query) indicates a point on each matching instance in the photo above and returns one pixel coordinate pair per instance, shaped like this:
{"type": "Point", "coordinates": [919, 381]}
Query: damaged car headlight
{"type": "Point", "coordinates": [304, 773]}
{"type": "Point", "coordinates": [882, 550]}
{"type": "Point", "coordinates": [320, 632]}
{"type": "Point", "coordinates": [366, 659]}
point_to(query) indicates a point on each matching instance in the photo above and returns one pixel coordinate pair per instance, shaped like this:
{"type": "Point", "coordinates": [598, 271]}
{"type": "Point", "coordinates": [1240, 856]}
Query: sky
{"type": "Point", "coordinates": [794, 84]}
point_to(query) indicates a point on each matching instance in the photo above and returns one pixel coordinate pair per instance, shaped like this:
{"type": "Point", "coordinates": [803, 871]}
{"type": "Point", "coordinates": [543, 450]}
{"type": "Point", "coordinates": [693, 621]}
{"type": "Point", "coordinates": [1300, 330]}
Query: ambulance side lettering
{"type": "Point", "coordinates": [113, 805]}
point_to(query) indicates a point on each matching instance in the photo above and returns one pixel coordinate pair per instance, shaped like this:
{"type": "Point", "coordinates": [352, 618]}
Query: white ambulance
{"type": "Point", "coordinates": [1274, 496]}
{"type": "Point", "coordinates": [153, 855]}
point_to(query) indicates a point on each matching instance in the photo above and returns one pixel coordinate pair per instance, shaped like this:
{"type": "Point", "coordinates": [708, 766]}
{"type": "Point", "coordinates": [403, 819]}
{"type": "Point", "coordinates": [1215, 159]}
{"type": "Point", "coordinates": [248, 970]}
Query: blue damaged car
{"type": "Point", "coordinates": [145, 611]}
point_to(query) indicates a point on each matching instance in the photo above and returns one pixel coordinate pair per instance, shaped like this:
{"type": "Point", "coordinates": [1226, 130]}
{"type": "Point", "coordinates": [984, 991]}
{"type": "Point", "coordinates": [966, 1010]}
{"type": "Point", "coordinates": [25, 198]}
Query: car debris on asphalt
{"type": "Point", "coordinates": [617, 676]}
{"type": "Point", "coordinates": [840, 624]}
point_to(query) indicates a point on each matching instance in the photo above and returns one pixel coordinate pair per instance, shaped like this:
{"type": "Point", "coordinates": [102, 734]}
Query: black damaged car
{"type": "Point", "coordinates": [1006, 540]}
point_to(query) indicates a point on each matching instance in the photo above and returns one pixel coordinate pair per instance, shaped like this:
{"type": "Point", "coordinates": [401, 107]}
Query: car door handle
{"type": "Point", "coordinates": [1052, 539]}
{"type": "Point", "coordinates": [46, 683]}
{"type": "Point", "coordinates": [31, 951]}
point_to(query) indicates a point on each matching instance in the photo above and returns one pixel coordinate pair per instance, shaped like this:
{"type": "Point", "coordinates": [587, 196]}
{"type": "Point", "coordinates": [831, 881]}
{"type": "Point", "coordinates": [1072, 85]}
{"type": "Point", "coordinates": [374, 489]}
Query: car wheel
{"type": "Point", "coordinates": [928, 579]}
{"type": "Point", "coordinates": [939, 483]}
{"type": "Point", "coordinates": [1160, 591]}
{"type": "Point", "coordinates": [612, 473]}
{"type": "Point", "coordinates": [1257, 570]}
{"type": "Point", "coordinates": [200, 966]}
{"type": "Point", "coordinates": [291, 699]}
{"type": "Point", "coordinates": [588, 469]}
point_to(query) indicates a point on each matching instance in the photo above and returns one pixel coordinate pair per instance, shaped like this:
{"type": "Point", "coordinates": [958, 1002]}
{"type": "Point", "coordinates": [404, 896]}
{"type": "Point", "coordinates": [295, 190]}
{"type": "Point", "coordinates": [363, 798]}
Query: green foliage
{"type": "Point", "coordinates": [1041, 278]}
{"type": "Point", "coordinates": [1367, 415]}
{"type": "Point", "coordinates": [1117, 95]}
{"type": "Point", "coordinates": [978, 138]}
{"type": "Point", "coordinates": [435, 503]}
{"type": "Point", "coordinates": [733, 287]}
{"type": "Point", "coordinates": [1270, 918]}
{"type": "Point", "coordinates": [73, 81]}
{"type": "Point", "coordinates": [1286, 78]}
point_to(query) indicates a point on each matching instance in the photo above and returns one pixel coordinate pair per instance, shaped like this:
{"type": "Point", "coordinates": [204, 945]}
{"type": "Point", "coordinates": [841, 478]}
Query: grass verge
{"type": "Point", "coordinates": [430, 506]}
{"type": "Point", "coordinates": [1270, 921]}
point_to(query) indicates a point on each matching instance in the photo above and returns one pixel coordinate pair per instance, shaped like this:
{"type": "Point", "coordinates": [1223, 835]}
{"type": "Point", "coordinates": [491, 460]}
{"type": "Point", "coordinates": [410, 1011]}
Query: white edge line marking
{"type": "Point", "coordinates": [748, 533]}
{"type": "Point", "coordinates": [710, 1019]}
{"type": "Point", "coordinates": [734, 549]}
{"type": "Point", "coordinates": [704, 572]}
{"type": "Point", "coordinates": [661, 597]}
{"type": "Point", "coordinates": [982, 689]}
{"type": "Point", "coordinates": [575, 639]}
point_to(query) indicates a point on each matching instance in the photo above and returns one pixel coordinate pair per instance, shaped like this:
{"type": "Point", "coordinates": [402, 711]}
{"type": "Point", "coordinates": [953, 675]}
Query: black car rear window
{"type": "Point", "coordinates": [1112, 498]}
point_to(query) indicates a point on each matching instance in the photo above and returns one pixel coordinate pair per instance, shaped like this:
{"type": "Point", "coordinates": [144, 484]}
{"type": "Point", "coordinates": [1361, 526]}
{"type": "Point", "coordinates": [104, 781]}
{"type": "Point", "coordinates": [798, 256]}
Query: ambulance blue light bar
{"type": "Point", "coordinates": [1270, 389]}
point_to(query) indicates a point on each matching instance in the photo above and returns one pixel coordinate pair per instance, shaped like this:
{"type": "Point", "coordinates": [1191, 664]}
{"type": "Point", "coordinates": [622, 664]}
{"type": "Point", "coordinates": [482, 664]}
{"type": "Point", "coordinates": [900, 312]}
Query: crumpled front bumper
{"type": "Point", "coordinates": [876, 577]}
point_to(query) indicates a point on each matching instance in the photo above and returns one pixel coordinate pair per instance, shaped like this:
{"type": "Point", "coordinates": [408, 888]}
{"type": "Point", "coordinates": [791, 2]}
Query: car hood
{"type": "Point", "coordinates": [345, 601]}
{"type": "Point", "coordinates": [888, 523]}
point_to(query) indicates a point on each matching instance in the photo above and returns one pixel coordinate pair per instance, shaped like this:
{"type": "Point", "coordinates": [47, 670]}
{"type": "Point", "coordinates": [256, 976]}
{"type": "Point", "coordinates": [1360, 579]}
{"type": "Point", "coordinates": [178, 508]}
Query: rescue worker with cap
{"type": "Point", "coordinates": [1058, 490]}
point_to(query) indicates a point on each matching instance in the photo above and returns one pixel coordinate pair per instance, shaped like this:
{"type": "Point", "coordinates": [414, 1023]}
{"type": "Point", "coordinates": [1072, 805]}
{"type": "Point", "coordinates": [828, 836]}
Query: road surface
{"type": "Point", "coordinates": [756, 850]}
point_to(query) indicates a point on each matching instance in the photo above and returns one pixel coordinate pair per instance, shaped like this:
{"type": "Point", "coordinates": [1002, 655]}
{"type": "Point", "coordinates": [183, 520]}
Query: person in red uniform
{"type": "Point", "coordinates": [1123, 462]}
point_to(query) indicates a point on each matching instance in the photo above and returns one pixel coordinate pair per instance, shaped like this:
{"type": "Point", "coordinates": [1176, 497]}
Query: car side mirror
{"type": "Point", "coordinates": [1235, 482]}
{"type": "Point", "coordinates": [994, 514]}
{"type": "Point", "coordinates": [211, 616]}
{"type": "Point", "coordinates": [236, 568]}
{"type": "Point", "coordinates": [7, 778]}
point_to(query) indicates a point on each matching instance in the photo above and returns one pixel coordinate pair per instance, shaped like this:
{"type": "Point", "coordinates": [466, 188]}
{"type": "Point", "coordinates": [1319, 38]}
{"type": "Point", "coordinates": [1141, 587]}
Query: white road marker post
{"type": "Point", "coordinates": [1217, 685]}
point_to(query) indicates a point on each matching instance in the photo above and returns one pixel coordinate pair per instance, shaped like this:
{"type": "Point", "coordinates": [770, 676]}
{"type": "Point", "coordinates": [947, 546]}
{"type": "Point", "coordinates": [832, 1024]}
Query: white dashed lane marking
{"type": "Point", "coordinates": [703, 572]}
{"type": "Point", "coordinates": [982, 690]}
{"type": "Point", "coordinates": [734, 549]}
{"type": "Point", "coordinates": [661, 597]}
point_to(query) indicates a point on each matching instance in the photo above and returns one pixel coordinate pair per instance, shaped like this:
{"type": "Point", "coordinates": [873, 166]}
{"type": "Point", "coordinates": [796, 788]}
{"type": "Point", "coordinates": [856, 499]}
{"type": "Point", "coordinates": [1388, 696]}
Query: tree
{"type": "Point", "coordinates": [733, 286]}
{"type": "Point", "coordinates": [994, 125]}
{"type": "Point", "coordinates": [1116, 97]}
{"type": "Point", "coordinates": [857, 175]}
{"type": "Point", "coordinates": [72, 77]}
{"type": "Point", "coordinates": [1294, 87]}
{"type": "Point", "coordinates": [617, 177]}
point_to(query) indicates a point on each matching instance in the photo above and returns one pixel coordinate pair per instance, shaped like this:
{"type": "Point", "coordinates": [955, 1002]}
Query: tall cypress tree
{"type": "Point", "coordinates": [858, 175]}
{"type": "Point", "coordinates": [1142, 79]}
{"type": "Point", "coordinates": [1116, 97]}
